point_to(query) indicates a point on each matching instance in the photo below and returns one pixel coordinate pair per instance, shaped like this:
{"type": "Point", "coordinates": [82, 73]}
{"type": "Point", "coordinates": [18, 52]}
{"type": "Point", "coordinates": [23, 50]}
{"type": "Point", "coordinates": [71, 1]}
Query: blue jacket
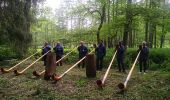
{"type": "Point", "coordinates": [46, 49]}
{"type": "Point", "coordinates": [100, 51]}
{"type": "Point", "coordinates": [59, 50]}
{"type": "Point", "coordinates": [120, 52]}
{"type": "Point", "coordinates": [82, 51]}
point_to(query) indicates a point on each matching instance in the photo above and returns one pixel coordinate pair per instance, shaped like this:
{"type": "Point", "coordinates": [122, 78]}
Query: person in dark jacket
{"type": "Point", "coordinates": [143, 57]}
{"type": "Point", "coordinates": [45, 49]}
{"type": "Point", "coordinates": [120, 56]}
{"type": "Point", "coordinates": [59, 53]}
{"type": "Point", "coordinates": [82, 49]}
{"type": "Point", "coordinates": [100, 53]}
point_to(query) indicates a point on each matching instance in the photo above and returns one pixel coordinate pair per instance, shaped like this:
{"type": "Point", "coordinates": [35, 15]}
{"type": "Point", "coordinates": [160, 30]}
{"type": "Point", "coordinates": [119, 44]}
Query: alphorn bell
{"type": "Point", "coordinates": [123, 86]}
{"type": "Point", "coordinates": [57, 78]}
{"type": "Point", "coordinates": [16, 72]}
{"type": "Point", "coordinates": [8, 70]}
{"type": "Point", "coordinates": [35, 73]}
{"type": "Point", "coordinates": [100, 83]}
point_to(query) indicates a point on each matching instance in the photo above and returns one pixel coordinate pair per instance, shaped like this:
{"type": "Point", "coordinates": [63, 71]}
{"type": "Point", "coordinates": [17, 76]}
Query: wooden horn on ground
{"type": "Point", "coordinates": [122, 86]}
{"type": "Point", "coordinates": [8, 70]}
{"type": "Point", "coordinates": [16, 72]}
{"type": "Point", "coordinates": [100, 83]}
{"type": "Point", "coordinates": [57, 78]}
{"type": "Point", "coordinates": [35, 73]}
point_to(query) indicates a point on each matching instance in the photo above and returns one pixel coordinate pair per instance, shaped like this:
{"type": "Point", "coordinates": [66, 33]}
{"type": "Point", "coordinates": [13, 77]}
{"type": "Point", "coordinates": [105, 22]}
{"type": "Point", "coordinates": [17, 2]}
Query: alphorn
{"type": "Point", "coordinates": [8, 70]}
{"type": "Point", "coordinates": [16, 72]}
{"type": "Point", "coordinates": [122, 86]}
{"type": "Point", "coordinates": [100, 83]}
{"type": "Point", "coordinates": [35, 73]}
{"type": "Point", "coordinates": [57, 78]}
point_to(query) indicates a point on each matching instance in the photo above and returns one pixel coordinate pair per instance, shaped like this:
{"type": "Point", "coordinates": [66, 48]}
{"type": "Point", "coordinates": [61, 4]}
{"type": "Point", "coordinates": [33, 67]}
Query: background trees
{"type": "Point", "coordinates": [25, 23]}
{"type": "Point", "coordinates": [15, 22]}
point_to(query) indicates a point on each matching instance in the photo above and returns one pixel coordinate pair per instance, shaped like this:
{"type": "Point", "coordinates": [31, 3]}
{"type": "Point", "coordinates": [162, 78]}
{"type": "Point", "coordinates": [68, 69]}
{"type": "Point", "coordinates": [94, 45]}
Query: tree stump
{"type": "Point", "coordinates": [90, 66]}
{"type": "Point", "coordinates": [50, 65]}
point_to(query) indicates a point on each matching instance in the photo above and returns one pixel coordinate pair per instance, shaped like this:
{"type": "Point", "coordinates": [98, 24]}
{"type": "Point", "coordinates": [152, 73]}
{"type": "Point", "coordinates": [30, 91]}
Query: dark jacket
{"type": "Point", "coordinates": [144, 53]}
{"type": "Point", "coordinates": [46, 49]}
{"type": "Point", "coordinates": [100, 51]}
{"type": "Point", "coordinates": [120, 52]}
{"type": "Point", "coordinates": [82, 51]}
{"type": "Point", "coordinates": [59, 50]}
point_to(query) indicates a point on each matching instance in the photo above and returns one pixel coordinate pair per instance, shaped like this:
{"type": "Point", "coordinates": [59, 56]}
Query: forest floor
{"type": "Point", "coordinates": [154, 85]}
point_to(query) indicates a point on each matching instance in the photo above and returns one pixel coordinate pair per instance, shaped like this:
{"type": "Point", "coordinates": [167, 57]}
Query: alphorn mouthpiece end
{"type": "Point", "coordinates": [16, 72]}
{"type": "Point", "coordinates": [121, 86]}
{"type": "Point", "coordinates": [3, 70]}
{"type": "Point", "coordinates": [56, 78]}
{"type": "Point", "coordinates": [35, 73]}
{"type": "Point", "coordinates": [99, 83]}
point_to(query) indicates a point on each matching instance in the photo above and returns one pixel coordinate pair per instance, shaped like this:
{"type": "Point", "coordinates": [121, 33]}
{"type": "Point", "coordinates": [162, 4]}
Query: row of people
{"type": "Point", "coordinates": [58, 51]}
{"type": "Point", "coordinates": [100, 51]}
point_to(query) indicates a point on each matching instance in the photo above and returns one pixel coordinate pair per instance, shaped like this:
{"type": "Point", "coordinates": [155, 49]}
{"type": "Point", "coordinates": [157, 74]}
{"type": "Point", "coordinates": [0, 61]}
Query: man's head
{"type": "Point", "coordinates": [81, 43]}
{"type": "Point", "coordinates": [45, 44]}
{"type": "Point", "coordinates": [58, 43]}
{"type": "Point", "coordinates": [140, 47]}
{"type": "Point", "coordinates": [120, 43]}
{"type": "Point", "coordinates": [144, 43]}
{"type": "Point", "coordinates": [101, 41]}
{"type": "Point", "coordinates": [94, 45]}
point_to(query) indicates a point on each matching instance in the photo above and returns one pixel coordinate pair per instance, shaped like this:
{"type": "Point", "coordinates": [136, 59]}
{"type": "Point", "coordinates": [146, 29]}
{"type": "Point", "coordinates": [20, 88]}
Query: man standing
{"type": "Point", "coordinates": [59, 53]}
{"type": "Point", "coordinates": [45, 49]}
{"type": "Point", "coordinates": [120, 56]}
{"type": "Point", "coordinates": [143, 57]}
{"type": "Point", "coordinates": [82, 49]}
{"type": "Point", "coordinates": [100, 53]}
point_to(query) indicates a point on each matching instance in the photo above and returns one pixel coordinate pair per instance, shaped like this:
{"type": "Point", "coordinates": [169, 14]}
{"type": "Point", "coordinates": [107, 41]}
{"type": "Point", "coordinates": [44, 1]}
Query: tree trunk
{"type": "Point", "coordinates": [162, 38]}
{"type": "Point", "coordinates": [150, 35]}
{"type": "Point", "coordinates": [146, 31]}
{"type": "Point", "coordinates": [155, 36]}
{"type": "Point", "coordinates": [127, 25]}
{"type": "Point", "coordinates": [102, 19]}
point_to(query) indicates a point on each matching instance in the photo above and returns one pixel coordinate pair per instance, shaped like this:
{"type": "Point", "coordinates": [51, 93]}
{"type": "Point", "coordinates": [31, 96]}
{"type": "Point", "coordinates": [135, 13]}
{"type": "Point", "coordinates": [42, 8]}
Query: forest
{"type": "Point", "coordinates": [25, 25]}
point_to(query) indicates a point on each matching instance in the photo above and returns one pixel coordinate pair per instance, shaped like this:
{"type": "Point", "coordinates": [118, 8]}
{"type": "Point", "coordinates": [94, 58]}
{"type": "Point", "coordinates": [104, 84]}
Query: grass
{"type": "Point", "coordinates": [155, 85]}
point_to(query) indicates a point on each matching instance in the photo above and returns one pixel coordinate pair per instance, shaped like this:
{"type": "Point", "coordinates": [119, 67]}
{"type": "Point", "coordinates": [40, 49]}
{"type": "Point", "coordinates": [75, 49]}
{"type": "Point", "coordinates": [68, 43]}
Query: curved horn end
{"type": "Point", "coordinates": [35, 73]}
{"type": "Point", "coordinates": [16, 72]}
{"type": "Point", "coordinates": [121, 86]}
{"type": "Point", "coordinates": [56, 78]}
{"type": "Point", "coordinates": [99, 83]}
{"type": "Point", "coordinates": [3, 70]}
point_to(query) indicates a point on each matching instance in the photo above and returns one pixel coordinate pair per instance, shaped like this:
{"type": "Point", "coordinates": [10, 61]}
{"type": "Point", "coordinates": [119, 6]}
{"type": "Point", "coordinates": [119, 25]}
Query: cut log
{"type": "Point", "coordinates": [50, 67]}
{"type": "Point", "coordinates": [90, 66]}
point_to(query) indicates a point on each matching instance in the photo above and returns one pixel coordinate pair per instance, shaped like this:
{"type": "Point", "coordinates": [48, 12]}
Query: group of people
{"type": "Point", "coordinates": [58, 49]}
{"type": "Point", "coordinates": [100, 52]}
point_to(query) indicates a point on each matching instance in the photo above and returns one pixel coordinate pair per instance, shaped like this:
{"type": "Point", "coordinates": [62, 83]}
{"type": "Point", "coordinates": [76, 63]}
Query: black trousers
{"type": "Point", "coordinates": [142, 65]}
{"type": "Point", "coordinates": [82, 63]}
{"type": "Point", "coordinates": [99, 63]}
{"type": "Point", "coordinates": [60, 62]}
{"type": "Point", "coordinates": [121, 65]}
{"type": "Point", "coordinates": [44, 59]}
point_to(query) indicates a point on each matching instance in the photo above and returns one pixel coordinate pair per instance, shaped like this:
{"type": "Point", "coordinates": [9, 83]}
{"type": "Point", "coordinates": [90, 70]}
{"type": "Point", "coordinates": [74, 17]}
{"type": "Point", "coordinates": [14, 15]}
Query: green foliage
{"type": "Point", "coordinates": [158, 58]}
{"type": "Point", "coordinates": [81, 83]}
{"type": "Point", "coordinates": [15, 19]}
{"type": "Point", "coordinates": [44, 94]}
{"type": "Point", "coordinates": [4, 83]}
{"type": "Point", "coordinates": [7, 53]}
